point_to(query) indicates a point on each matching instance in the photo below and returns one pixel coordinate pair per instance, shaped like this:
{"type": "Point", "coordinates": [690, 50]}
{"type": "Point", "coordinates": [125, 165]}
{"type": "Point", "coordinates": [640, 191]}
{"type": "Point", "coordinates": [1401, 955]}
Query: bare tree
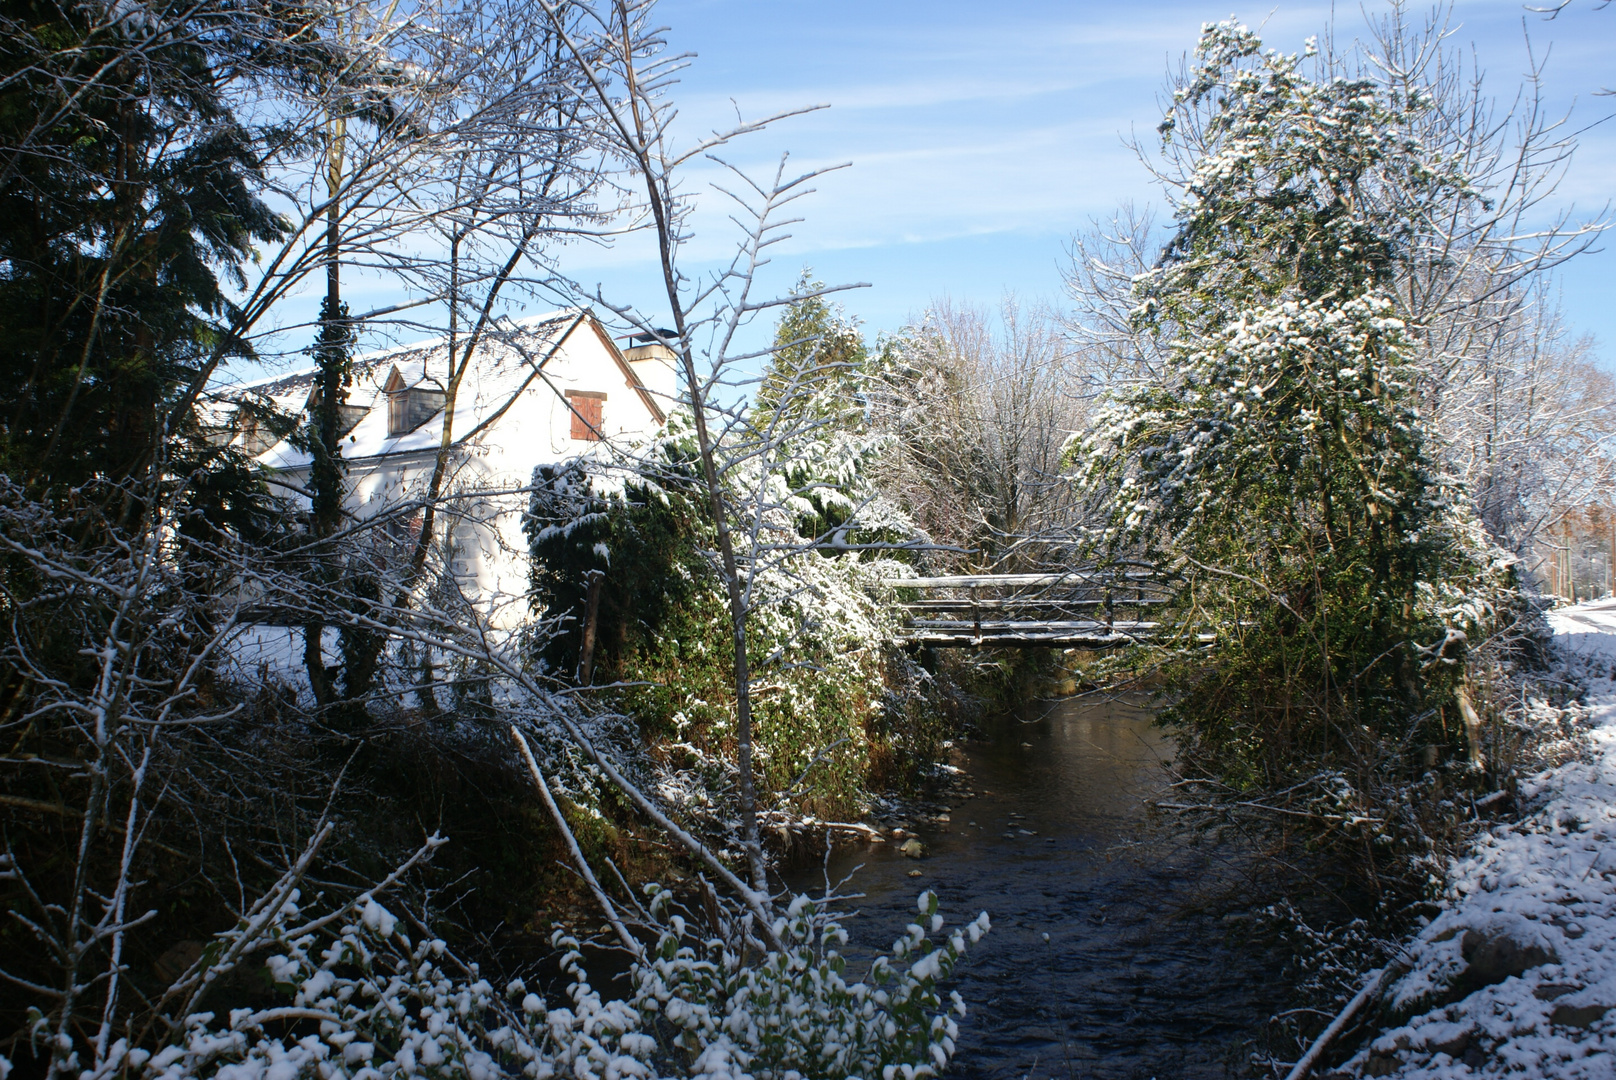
{"type": "Point", "coordinates": [740, 453]}
{"type": "Point", "coordinates": [979, 411]}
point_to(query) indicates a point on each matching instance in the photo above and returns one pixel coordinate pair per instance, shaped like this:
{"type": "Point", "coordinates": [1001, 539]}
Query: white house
{"type": "Point", "coordinates": [555, 390]}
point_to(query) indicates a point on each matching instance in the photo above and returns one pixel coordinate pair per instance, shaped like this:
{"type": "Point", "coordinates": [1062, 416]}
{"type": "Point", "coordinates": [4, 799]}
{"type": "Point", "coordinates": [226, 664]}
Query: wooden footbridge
{"type": "Point", "coordinates": [1081, 609]}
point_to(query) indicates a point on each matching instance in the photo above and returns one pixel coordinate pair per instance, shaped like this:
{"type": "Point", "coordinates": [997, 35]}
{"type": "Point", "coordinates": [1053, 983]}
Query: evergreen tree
{"type": "Point", "coordinates": [817, 359]}
{"type": "Point", "coordinates": [1280, 467]}
{"type": "Point", "coordinates": [811, 407]}
{"type": "Point", "coordinates": [644, 543]}
{"type": "Point", "coordinates": [333, 364]}
{"type": "Point", "coordinates": [127, 189]}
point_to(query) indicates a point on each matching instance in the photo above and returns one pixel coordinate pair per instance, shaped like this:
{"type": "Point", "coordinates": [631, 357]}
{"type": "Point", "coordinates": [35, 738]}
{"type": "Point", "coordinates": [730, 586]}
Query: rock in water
{"type": "Point", "coordinates": [912, 848]}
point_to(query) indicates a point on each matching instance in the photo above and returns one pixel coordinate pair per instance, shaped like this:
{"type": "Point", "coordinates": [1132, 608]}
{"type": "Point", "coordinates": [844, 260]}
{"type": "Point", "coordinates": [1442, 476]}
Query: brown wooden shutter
{"type": "Point", "coordinates": [586, 414]}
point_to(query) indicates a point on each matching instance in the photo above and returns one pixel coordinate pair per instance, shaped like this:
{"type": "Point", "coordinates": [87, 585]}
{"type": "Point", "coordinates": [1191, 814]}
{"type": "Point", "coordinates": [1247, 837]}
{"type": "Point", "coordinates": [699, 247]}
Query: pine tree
{"type": "Point", "coordinates": [128, 188]}
{"type": "Point", "coordinates": [811, 401]}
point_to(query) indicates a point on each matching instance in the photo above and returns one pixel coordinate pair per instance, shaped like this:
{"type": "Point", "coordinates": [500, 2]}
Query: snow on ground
{"type": "Point", "coordinates": [262, 654]}
{"type": "Point", "coordinates": [1517, 976]}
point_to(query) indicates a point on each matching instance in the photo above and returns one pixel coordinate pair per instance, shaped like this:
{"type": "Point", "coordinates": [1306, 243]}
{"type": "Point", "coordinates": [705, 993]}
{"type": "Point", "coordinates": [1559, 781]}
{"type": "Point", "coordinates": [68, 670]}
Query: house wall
{"type": "Point", "coordinates": [482, 516]}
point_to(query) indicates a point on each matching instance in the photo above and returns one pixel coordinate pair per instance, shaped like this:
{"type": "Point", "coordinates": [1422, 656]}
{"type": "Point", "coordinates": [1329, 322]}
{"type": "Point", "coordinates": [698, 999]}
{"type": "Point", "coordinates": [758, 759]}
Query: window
{"type": "Point", "coordinates": [586, 406]}
{"type": "Point", "coordinates": [348, 416]}
{"type": "Point", "coordinates": [463, 552]}
{"type": "Point", "coordinates": [409, 409]}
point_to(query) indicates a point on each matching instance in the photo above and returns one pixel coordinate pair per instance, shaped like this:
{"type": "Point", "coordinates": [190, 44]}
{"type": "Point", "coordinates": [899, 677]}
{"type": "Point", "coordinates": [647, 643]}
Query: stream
{"type": "Point", "coordinates": [1138, 976]}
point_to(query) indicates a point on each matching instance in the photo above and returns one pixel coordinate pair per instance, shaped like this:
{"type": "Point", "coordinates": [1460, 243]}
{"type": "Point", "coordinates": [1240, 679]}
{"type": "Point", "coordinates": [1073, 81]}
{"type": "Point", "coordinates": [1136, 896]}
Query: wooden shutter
{"type": "Point", "coordinates": [586, 414]}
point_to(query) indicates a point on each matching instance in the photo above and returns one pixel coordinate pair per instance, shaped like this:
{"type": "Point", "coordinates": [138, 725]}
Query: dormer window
{"type": "Point", "coordinates": [587, 408]}
{"type": "Point", "coordinates": [348, 416]}
{"type": "Point", "coordinates": [408, 407]}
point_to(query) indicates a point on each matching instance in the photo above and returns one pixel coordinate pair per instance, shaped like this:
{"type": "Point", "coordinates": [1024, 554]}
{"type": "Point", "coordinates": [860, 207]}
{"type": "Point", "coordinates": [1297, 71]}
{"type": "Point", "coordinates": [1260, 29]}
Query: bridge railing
{"type": "Point", "coordinates": [1077, 608]}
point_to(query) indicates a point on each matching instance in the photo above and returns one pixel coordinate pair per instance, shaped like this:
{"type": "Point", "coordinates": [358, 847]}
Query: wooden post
{"type": "Point", "coordinates": [586, 655]}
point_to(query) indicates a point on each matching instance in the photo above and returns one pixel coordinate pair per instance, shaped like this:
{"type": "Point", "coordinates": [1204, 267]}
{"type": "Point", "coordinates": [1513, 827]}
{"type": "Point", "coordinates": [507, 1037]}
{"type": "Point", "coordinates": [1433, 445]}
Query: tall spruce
{"type": "Point", "coordinates": [333, 376]}
{"type": "Point", "coordinates": [128, 189]}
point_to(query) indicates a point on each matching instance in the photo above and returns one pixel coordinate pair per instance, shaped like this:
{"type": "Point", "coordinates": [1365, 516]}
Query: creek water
{"type": "Point", "coordinates": [1139, 975]}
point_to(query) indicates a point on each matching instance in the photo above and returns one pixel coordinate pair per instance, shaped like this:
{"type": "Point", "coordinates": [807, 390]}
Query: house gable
{"type": "Point", "coordinates": [396, 406]}
{"type": "Point", "coordinates": [630, 379]}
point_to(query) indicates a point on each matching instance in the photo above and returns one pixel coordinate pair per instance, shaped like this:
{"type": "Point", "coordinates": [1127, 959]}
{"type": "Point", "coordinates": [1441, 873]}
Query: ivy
{"type": "Point", "coordinates": [1280, 470]}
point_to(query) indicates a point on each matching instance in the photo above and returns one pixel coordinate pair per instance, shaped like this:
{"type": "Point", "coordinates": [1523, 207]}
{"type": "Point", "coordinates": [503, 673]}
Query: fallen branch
{"type": "Point", "coordinates": [601, 898]}
{"type": "Point", "coordinates": [1371, 991]}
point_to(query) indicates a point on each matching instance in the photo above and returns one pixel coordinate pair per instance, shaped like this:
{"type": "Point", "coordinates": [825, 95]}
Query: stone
{"type": "Point", "coordinates": [1454, 1046]}
{"type": "Point", "coordinates": [1550, 991]}
{"type": "Point", "coordinates": [1381, 1065]}
{"type": "Point", "coordinates": [912, 848]}
{"type": "Point", "coordinates": [1578, 1016]}
{"type": "Point", "coordinates": [1493, 956]}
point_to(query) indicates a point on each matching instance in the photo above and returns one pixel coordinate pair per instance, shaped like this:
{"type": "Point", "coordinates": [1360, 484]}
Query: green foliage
{"type": "Point", "coordinates": [663, 627]}
{"type": "Point", "coordinates": [645, 543]}
{"type": "Point", "coordinates": [816, 361]}
{"type": "Point", "coordinates": [333, 363]}
{"type": "Point", "coordinates": [829, 700]}
{"type": "Point", "coordinates": [811, 408]}
{"type": "Point", "coordinates": [1280, 467]}
{"type": "Point", "coordinates": [126, 187]}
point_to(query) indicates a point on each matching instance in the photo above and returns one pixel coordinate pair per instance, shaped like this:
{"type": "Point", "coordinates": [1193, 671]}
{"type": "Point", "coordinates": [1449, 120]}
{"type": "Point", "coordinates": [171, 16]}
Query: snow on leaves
{"type": "Point", "coordinates": [380, 1006]}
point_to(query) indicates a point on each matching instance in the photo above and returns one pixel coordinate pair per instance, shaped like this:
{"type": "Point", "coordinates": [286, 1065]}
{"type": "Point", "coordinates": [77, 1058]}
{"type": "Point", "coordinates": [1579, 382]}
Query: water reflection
{"type": "Point", "coordinates": [1136, 977]}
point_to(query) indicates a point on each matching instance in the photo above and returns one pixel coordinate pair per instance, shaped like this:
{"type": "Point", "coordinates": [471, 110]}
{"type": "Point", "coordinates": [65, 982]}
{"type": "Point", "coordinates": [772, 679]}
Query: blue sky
{"type": "Point", "coordinates": [983, 136]}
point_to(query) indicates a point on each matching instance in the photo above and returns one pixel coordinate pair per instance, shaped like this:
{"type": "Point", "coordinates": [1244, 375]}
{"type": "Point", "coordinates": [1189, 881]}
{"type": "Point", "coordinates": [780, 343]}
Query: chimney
{"type": "Point", "coordinates": [655, 364]}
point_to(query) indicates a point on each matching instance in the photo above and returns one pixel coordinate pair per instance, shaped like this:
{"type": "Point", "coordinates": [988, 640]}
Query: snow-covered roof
{"type": "Point", "coordinates": [506, 365]}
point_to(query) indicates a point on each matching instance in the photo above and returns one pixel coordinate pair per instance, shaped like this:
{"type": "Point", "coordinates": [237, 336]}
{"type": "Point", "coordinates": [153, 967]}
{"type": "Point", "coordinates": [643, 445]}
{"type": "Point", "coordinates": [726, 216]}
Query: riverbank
{"type": "Point", "coordinates": [1517, 974]}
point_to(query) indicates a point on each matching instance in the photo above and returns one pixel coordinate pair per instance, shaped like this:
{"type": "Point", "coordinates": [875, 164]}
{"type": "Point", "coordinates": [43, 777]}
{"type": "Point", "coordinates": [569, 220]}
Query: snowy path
{"type": "Point", "coordinates": [1517, 977]}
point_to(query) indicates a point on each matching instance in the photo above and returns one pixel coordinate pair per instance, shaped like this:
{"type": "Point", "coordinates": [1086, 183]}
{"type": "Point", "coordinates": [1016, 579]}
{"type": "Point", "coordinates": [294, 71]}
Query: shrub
{"type": "Point", "coordinates": [377, 1004]}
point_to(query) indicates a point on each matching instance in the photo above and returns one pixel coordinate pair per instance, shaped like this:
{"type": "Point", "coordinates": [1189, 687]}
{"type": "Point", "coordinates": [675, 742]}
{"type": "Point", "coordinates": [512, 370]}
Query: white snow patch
{"type": "Point", "coordinates": [1534, 902]}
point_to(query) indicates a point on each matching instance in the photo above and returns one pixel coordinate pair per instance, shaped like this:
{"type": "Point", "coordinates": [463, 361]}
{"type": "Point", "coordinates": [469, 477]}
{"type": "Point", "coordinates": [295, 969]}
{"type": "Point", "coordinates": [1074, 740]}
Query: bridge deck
{"type": "Point", "coordinates": [1061, 610]}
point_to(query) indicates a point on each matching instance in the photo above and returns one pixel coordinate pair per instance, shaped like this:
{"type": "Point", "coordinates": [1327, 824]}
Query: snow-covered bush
{"type": "Point", "coordinates": [825, 693]}
{"type": "Point", "coordinates": [369, 1002]}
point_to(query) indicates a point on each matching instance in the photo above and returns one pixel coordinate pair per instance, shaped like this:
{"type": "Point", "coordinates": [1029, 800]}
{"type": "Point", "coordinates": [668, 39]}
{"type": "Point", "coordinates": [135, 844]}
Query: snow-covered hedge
{"type": "Point", "coordinates": [368, 1002]}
